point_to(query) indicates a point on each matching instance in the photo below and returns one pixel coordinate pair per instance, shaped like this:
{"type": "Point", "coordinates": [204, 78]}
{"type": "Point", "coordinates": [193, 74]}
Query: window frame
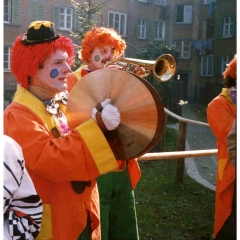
{"type": "Point", "coordinates": [14, 12]}
{"type": "Point", "coordinates": [9, 12]}
{"type": "Point", "coordinates": [210, 31]}
{"type": "Point", "coordinates": [157, 30]}
{"type": "Point", "coordinates": [142, 29]}
{"type": "Point", "coordinates": [224, 60]}
{"type": "Point", "coordinates": [185, 19]}
{"type": "Point", "coordinates": [65, 21]}
{"type": "Point", "coordinates": [205, 2]}
{"type": "Point", "coordinates": [181, 52]}
{"type": "Point", "coordinates": [229, 25]}
{"type": "Point", "coordinates": [122, 23]}
{"type": "Point", "coordinates": [8, 61]}
{"type": "Point", "coordinates": [162, 2]}
{"type": "Point", "coordinates": [206, 65]}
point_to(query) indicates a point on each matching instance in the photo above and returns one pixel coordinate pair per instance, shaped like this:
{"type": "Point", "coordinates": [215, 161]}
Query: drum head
{"type": "Point", "coordinates": [140, 107]}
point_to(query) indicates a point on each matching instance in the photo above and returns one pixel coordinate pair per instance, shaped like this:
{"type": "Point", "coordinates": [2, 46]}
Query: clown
{"type": "Point", "coordinates": [63, 164]}
{"type": "Point", "coordinates": [22, 207]}
{"type": "Point", "coordinates": [221, 114]}
{"type": "Point", "coordinates": [116, 189]}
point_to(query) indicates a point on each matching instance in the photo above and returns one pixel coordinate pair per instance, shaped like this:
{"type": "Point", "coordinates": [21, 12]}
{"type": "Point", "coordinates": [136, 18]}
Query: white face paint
{"type": "Point", "coordinates": [53, 76]}
{"type": "Point", "coordinates": [100, 56]}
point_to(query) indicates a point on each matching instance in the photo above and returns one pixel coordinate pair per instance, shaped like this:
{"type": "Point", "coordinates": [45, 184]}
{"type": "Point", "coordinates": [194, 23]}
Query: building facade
{"type": "Point", "coordinates": [204, 32]}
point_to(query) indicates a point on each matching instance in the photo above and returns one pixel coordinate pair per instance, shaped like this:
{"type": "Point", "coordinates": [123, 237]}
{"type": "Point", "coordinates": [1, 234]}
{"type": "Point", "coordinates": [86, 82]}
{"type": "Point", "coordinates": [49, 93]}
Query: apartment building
{"type": "Point", "coordinates": [200, 29]}
{"type": "Point", "coordinates": [215, 46]}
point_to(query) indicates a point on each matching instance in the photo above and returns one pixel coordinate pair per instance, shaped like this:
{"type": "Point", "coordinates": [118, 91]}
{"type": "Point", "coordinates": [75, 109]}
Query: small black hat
{"type": "Point", "coordinates": [40, 32]}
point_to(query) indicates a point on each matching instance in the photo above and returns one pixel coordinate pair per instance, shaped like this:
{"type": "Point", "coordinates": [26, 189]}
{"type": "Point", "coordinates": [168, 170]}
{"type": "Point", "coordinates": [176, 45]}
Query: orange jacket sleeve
{"type": "Point", "coordinates": [58, 159]}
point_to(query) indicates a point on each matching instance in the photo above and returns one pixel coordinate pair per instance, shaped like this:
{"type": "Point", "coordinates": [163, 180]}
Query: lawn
{"type": "Point", "coordinates": [167, 210]}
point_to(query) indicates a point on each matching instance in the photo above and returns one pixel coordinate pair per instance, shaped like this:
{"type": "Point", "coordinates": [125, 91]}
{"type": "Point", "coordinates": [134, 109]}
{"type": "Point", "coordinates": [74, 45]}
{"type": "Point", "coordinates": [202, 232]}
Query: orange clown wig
{"type": "Point", "coordinates": [27, 59]}
{"type": "Point", "coordinates": [100, 37]}
{"type": "Point", "coordinates": [230, 71]}
{"type": "Point", "coordinates": [230, 74]}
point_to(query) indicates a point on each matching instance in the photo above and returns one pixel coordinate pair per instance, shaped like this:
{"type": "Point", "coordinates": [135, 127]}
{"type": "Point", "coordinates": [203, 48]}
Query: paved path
{"type": "Point", "coordinates": [202, 169]}
{"type": "Point", "coordinates": [195, 171]}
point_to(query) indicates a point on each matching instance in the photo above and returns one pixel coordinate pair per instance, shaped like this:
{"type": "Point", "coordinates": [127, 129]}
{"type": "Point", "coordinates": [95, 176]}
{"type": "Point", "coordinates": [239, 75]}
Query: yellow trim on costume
{"type": "Point", "coordinates": [78, 72]}
{"type": "Point", "coordinates": [98, 146]}
{"type": "Point", "coordinates": [24, 97]}
{"type": "Point", "coordinates": [221, 165]}
{"type": "Point", "coordinates": [46, 225]}
{"type": "Point", "coordinates": [95, 145]}
{"type": "Point", "coordinates": [226, 94]}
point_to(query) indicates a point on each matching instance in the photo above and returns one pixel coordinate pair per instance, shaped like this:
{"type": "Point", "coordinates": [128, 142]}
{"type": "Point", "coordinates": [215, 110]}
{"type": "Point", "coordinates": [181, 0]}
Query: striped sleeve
{"type": "Point", "coordinates": [22, 206]}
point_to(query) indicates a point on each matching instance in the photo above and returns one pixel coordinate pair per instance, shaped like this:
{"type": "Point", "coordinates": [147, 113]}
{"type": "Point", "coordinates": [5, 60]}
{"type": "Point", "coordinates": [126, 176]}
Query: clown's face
{"type": "Point", "coordinates": [100, 56]}
{"type": "Point", "coordinates": [53, 75]}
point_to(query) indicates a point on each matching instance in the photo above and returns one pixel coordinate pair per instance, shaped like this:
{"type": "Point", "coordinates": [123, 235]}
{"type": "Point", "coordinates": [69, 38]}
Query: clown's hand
{"type": "Point", "coordinates": [139, 71]}
{"type": "Point", "coordinates": [100, 107]}
{"type": "Point", "coordinates": [110, 117]}
{"type": "Point", "coordinates": [106, 115]}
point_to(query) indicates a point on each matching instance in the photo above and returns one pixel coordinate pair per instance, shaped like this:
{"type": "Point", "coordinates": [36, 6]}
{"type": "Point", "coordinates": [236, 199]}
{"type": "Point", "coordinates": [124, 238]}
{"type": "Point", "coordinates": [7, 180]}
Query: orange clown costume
{"type": "Point", "coordinates": [108, 182]}
{"type": "Point", "coordinates": [117, 203]}
{"type": "Point", "coordinates": [221, 114]}
{"type": "Point", "coordinates": [133, 167]}
{"type": "Point", "coordinates": [55, 160]}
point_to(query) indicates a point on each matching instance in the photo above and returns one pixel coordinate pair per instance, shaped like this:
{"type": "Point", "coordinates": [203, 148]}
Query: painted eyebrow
{"type": "Point", "coordinates": [60, 59]}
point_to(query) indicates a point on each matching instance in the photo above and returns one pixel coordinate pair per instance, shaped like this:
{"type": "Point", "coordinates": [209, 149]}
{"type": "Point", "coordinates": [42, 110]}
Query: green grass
{"type": "Point", "coordinates": [167, 210]}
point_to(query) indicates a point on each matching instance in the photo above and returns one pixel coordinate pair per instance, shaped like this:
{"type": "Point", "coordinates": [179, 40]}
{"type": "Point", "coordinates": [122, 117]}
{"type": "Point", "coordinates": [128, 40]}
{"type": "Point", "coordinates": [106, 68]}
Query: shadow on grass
{"type": "Point", "coordinates": [170, 211]}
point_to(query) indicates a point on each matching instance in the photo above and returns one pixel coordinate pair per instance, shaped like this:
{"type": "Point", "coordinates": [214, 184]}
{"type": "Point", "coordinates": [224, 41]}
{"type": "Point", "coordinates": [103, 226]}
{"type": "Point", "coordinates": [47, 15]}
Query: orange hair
{"type": "Point", "coordinates": [231, 71]}
{"type": "Point", "coordinates": [27, 59]}
{"type": "Point", "coordinates": [100, 37]}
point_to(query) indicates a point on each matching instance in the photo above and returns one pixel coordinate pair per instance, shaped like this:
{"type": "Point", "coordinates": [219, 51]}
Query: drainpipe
{"type": "Point", "coordinates": [129, 23]}
{"type": "Point", "coordinates": [170, 22]}
{"type": "Point", "coordinates": [197, 75]}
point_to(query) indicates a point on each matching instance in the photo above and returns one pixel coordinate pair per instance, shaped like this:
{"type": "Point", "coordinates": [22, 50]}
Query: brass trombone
{"type": "Point", "coordinates": [162, 69]}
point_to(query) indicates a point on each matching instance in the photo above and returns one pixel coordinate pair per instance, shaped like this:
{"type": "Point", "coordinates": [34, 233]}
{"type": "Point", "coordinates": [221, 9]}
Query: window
{"type": "Point", "coordinates": [207, 65]}
{"type": "Point", "coordinates": [117, 21]}
{"type": "Point", "coordinates": [160, 2]}
{"type": "Point", "coordinates": [225, 60]}
{"type": "Point", "coordinates": [159, 30]}
{"type": "Point", "coordinates": [228, 27]}
{"type": "Point", "coordinates": [184, 48]}
{"type": "Point", "coordinates": [208, 1]}
{"type": "Point", "coordinates": [66, 18]}
{"type": "Point", "coordinates": [36, 10]}
{"type": "Point", "coordinates": [184, 14]}
{"type": "Point", "coordinates": [142, 1]}
{"type": "Point", "coordinates": [12, 11]}
{"type": "Point", "coordinates": [210, 28]}
{"type": "Point", "coordinates": [7, 10]}
{"type": "Point", "coordinates": [142, 29]}
{"type": "Point", "coordinates": [7, 55]}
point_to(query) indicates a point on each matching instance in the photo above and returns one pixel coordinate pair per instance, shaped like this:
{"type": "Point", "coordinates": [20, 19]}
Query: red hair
{"type": "Point", "coordinates": [231, 71]}
{"type": "Point", "coordinates": [27, 59]}
{"type": "Point", "coordinates": [100, 37]}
